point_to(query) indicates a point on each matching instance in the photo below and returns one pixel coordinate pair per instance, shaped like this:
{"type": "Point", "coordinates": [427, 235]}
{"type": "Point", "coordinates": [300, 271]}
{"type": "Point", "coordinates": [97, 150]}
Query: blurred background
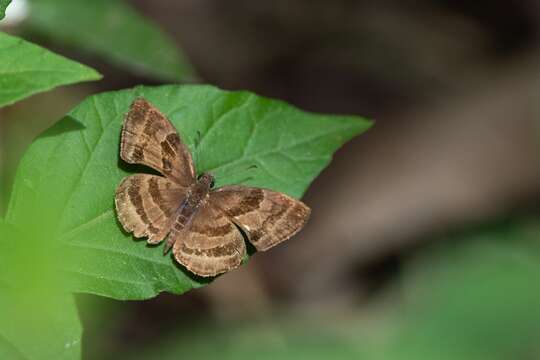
{"type": "Point", "coordinates": [424, 239]}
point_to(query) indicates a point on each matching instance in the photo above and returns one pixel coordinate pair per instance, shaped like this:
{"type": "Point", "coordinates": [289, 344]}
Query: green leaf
{"type": "Point", "coordinates": [112, 29]}
{"type": "Point", "coordinates": [26, 69]}
{"type": "Point", "coordinates": [3, 5]}
{"type": "Point", "coordinates": [76, 164]}
{"type": "Point", "coordinates": [37, 319]}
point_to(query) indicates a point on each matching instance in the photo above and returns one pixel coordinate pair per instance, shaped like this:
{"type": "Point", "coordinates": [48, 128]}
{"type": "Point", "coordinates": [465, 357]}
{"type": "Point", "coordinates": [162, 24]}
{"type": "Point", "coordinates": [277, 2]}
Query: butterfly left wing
{"type": "Point", "coordinates": [149, 138]}
{"type": "Point", "coordinates": [267, 217]}
{"type": "Point", "coordinates": [146, 205]}
{"type": "Point", "coordinates": [210, 244]}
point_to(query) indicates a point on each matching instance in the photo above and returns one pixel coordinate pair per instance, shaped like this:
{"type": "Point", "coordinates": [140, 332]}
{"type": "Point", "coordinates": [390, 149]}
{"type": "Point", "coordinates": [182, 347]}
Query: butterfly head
{"type": "Point", "coordinates": [206, 179]}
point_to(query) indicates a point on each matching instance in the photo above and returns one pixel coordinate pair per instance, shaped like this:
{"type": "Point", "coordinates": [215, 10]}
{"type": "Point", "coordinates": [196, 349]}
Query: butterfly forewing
{"type": "Point", "coordinates": [149, 138]}
{"type": "Point", "coordinates": [211, 244]}
{"type": "Point", "coordinates": [268, 217]}
{"type": "Point", "coordinates": [146, 205]}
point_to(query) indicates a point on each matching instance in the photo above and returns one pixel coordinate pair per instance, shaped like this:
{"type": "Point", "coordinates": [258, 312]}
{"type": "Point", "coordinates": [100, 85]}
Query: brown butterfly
{"type": "Point", "coordinates": [204, 225]}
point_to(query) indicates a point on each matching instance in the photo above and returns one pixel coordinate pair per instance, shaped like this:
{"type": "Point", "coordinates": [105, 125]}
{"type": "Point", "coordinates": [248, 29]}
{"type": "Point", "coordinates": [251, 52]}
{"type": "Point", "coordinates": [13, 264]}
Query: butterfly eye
{"type": "Point", "coordinates": [212, 183]}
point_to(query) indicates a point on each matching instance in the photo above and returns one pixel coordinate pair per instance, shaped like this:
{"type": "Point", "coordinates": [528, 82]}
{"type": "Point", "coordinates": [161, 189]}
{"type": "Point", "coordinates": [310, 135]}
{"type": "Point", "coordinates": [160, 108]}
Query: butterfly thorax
{"type": "Point", "coordinates": [196, 195]}
{"type": "Point", "coordinates": [198, 192]}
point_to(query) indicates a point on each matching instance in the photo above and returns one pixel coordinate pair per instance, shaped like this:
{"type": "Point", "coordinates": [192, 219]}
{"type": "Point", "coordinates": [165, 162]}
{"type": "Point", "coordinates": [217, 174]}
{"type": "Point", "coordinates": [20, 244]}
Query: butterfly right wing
{"type": "Point", "coordinates": [149, 138]}
{"type": "Point", "coordinates": [146, 205]}
{"type": "Point", "coordinates": [267, 217]}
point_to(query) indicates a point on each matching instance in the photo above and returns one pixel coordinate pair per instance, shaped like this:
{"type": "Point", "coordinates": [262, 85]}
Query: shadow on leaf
{"type": "Point", "coordinates": [65, 125]}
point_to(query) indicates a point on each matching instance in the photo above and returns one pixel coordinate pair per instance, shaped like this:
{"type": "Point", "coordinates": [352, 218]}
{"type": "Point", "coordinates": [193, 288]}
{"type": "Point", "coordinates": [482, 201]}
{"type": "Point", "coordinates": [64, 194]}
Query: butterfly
{"type": "Point", "coordinates": [204, 226]}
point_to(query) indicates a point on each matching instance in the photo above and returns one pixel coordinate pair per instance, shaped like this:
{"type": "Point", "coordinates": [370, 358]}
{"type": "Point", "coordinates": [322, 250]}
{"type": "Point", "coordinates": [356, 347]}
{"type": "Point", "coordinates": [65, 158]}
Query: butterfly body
{"type": "Point", "coordinates": [202, 223]}
{"type": "Point", "coordinates": [196, 195]}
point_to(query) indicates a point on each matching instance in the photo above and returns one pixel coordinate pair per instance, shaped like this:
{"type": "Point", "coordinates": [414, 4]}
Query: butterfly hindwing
{"type": "Point", "coordinates": [268, 217]}
{"type": "Point", "coordinates": [149, 138]}
{"type": "Point", "coordinates": [210, 244]}
{"type": "Point", "coordinates": [146, 205]}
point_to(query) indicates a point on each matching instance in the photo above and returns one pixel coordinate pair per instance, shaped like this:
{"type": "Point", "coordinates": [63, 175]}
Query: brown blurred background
{"type": "Point", "coordinates": [452, 85]}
